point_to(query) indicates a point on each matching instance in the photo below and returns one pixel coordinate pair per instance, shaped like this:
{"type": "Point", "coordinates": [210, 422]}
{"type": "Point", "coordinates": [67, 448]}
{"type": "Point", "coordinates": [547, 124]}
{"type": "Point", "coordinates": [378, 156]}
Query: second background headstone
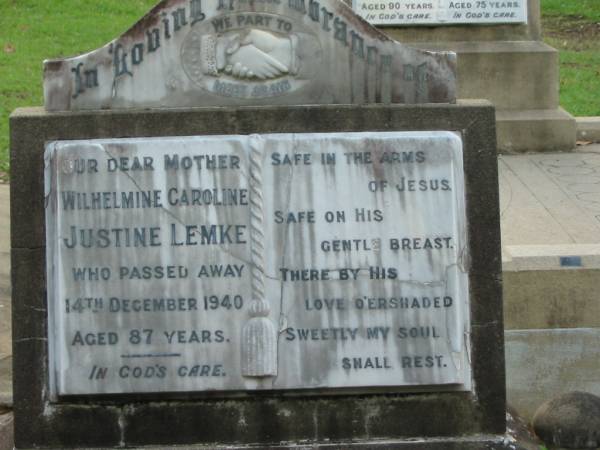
{"type": "Point", "coordinates": [511, 66]}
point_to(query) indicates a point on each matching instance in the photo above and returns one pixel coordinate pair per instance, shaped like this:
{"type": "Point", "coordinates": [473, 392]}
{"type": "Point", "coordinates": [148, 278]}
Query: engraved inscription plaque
{"type": "Point", "coordinates": [441, 12]}
{"type": "Point", "coordinates": [259, 262]}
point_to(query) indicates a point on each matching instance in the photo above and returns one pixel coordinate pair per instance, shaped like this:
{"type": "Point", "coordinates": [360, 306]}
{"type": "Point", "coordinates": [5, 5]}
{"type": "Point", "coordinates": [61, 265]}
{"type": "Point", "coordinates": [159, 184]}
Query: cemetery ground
{"type": "Point", "coordinates": [29, 30]}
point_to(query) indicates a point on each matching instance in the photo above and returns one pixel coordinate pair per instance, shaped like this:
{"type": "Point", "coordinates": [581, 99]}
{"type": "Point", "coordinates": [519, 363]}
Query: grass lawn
{"type": "Point", "coordinates": [573, 27]}
{"type": "Point", "coordinates": [32, 30]}
{"type": "Point", "coordinates": [588, 9]}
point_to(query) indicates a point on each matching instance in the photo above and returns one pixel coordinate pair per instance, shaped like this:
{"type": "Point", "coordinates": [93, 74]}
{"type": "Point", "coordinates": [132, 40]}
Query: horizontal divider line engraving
{"type": "Point", "coordinates": [153, 355]}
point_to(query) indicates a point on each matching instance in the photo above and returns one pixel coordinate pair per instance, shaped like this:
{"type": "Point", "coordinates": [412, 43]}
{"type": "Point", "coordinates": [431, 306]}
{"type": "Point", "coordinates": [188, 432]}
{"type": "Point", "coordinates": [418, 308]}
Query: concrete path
{"type": "Point", "coordinates": [550, 207]}
{"type": "Point", "coordinates": [551, 199]}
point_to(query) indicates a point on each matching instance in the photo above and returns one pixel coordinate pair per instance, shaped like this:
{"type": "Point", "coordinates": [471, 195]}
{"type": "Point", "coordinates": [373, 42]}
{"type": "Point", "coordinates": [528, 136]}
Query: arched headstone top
{"type": "Point", "coordinates": [193, 53]}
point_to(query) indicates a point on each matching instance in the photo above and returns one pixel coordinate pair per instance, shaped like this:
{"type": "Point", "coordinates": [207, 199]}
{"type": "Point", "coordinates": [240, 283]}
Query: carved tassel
{"type": "Point", "coordinates": [259, 336]}
{"type": "Point", "coordinates": [259, 348]}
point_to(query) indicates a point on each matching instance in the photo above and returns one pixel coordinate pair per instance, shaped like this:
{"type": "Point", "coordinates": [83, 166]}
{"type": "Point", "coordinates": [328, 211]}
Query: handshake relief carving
{"type": "Point", "coordinates": [251, 54]}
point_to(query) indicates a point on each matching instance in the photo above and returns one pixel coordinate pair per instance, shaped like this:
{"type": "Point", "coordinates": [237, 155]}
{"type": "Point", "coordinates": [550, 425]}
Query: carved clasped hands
{"type": "Point", "coordinates": [252, 54]}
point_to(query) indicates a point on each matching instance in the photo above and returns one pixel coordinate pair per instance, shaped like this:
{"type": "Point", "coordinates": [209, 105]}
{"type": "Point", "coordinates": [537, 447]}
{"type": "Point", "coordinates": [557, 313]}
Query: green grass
{"type": "Point", "coordinates": [587, 9]}
{"type": "Point", "coordinates": [573, 27]}
{"type": "Point", "coordinates": [34, 30]}
{"type": "Point", "coordinates": [580, 82]}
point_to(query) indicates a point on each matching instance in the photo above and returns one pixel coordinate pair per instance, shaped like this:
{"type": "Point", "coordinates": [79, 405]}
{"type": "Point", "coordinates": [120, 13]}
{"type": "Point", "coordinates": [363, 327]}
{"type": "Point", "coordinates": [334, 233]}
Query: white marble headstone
{"type": "Point", "coordinates": [276, 261]}
{"type": "Point", "coordinates": [188, 53]}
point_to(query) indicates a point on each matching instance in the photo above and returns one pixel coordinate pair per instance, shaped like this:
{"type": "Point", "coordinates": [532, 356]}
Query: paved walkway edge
{"type": "Point", "coordinates": [588, 129]}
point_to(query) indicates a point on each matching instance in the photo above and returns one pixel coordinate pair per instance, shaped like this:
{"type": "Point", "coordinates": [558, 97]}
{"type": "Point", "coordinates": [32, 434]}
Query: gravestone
{"type": "Point", "coordinates": [219, 258]}
{"type": "Point", "coordinates": [229, 53]}
{"type": "Point", "coordinates": [501, 57]}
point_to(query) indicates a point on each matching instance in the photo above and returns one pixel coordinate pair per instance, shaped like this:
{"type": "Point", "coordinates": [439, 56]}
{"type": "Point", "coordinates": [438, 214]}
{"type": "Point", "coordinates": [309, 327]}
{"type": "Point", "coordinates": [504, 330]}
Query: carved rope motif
{"type": "Point", "coordinates": [259, 336]}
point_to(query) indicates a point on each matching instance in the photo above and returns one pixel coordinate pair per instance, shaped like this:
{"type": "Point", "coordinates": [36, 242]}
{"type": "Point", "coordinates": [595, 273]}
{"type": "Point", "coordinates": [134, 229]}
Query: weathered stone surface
{"type": "Point", "coordinates": [551, 298]}
{"type": "Point", "coordinates": [570, 420]}
{"type": "Point", "coordinates": [6, 430]}
{"type": "Point", "coordinates": [484, 442]}
{"type": "Point", "coordinates": [42, 422]}
{"type": "Point", "coordinates": [171, 262]}
{"type": "Point", "coordinates": [231, 262]}
{"type": "Point", "coordinates": [192, 53]}
{"type": "Point", "coordinates": [443, 12]}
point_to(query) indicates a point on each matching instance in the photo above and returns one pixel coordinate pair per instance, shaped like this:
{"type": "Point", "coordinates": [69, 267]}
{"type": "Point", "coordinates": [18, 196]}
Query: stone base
{"type": "Point", "coordinates": [547, 299]}
{"type": "Point", "coordinates": [323, 416]}
{"type": "Point", "coordinates": [542, 130]}
{"type": "Point", "coordinates": [475, 443]}
{"type": "Point", "coordinates": [521, 78]}
{"type": "Point", "coordinates": [518, 75]}
{"type": "Point", "coordinates": [551, 309]}
{"type": "Point", "coordinates": [551, 286]}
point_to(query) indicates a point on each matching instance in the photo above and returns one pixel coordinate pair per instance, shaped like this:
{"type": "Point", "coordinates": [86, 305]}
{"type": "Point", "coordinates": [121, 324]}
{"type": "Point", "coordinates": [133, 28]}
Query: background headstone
{"type": "Point", "coordinates": [509, 65]}
{"type": "Point", "coordinates": [441, 12]}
